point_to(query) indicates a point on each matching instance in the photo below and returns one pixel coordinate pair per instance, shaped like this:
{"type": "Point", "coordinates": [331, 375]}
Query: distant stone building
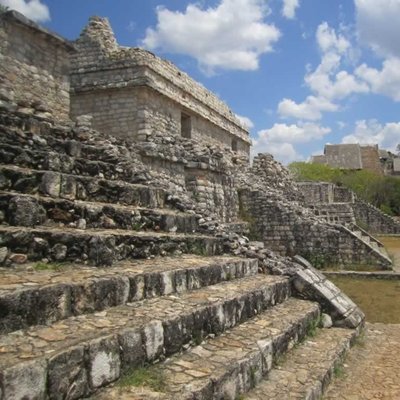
{"type": "Point", "coordinates": [132, 93]}
{"type": "Point", "coordinates": [396, 166]}
{"type": "Point", "coordinates": [356, 157]}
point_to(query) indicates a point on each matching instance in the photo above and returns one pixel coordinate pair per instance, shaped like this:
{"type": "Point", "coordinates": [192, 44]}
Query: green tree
{"type": "Point", "coordinates": [314, 172]}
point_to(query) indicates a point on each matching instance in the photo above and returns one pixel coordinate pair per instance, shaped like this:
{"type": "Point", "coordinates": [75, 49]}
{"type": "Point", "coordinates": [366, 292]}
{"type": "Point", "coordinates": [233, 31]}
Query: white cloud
{"type": "Point", "coordinates": [328, 80]}
{"type": "Point", "coordinates": [245, 121]}
{"type": "Point", "coordinates": [328, 83]}
{"type": "Point", "coordinates": [310, 109]}
{"type": "Point", "coordinates": [385, 81]}
{"type": "Point", "coordinates": [32, 9]}
{"type": "Point", "coordinates": [328, 40]}
{"type": "Point", "coordinates": [289, 8]}
{"type": "Point", "coordinates": [280, 139]}
{"type": "Point", "coordinates": [283, 152]}
{"type": "Point", "coordinates": [294, 133]}
{"type": "Point", "coordinates": [378, 28]}
{"type": "Point", "coordinates": [334, 86]}
{"type": "Point", "coordinates": [378, 25]}
{"type": "Point", "coordinates": [387, 136]}
{"type": "Point", "coordinates": [233, 35]}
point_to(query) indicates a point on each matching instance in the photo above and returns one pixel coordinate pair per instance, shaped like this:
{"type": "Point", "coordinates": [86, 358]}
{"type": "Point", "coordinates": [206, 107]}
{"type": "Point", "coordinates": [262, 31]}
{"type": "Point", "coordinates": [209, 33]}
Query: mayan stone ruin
{"type": "Point", "coordinates": [137, 236]}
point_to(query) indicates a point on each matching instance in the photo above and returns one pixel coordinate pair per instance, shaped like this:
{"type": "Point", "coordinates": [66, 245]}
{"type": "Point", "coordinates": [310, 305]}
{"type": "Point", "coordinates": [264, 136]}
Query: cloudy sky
{"type": "Point", "coordinates": [301, 73]}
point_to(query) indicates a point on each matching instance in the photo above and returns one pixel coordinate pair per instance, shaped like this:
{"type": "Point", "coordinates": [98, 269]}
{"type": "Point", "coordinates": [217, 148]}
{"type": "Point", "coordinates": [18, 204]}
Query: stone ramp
{"type": "Point", "coordinates": [229, 365]}
{"type": "Point", "coordinates": [78, 355]}
{"type": "Point", "coordinates": [305, 372]}
{"type": "Point", "coordinates": [40, 297]}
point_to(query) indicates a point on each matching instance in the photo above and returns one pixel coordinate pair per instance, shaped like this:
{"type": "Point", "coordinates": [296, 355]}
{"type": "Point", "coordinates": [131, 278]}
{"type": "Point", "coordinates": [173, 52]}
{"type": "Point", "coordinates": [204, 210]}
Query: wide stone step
{"type": "Point", "coordinates": [77, 164]}
{"type": "Point", "coordinates": [102, 247]}
{"type": "Point", "coordinates": [41, 294]}
{"type": "Point", "coordinates": [70, 142]}
{"type": "Point", "coordinates": [306, 371]}
{"type": "Point", "coordinates": [76, 356]}
{"type": "Point", "coordinates": [31, 210]}
{"type": "Point", "coordinates": [229, 365]}
{"type": "Point", "coordinates": [76, 187]}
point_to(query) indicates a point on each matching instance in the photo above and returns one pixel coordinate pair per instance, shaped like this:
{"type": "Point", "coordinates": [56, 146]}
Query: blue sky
{"type": "Point", "coordinates": [301, 73]}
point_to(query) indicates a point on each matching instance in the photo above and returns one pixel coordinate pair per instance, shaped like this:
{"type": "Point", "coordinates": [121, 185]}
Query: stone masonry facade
{"type": "Point", "coordinates": [338, 204]}
{"type": "Point", "coordinates": [34, 67]}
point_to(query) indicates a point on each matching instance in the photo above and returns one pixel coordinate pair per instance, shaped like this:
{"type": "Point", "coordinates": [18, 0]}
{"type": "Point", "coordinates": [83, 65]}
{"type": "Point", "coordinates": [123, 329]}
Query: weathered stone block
{"type": "Point", "coordinates": [104, 361]}
{"type": "Point", "coordinates": [24, 381]}
{"type": "Point", "coordinates": [137, 288]}
{"type": "Point", "coordinates": [99, 294]}
{"type": "Point", "coordinates": [132, 350]}
{"type": "Point", "coordinates": [25, 211]}
{"type": "Point", "coordinates": [179, 332]}
{"type": "Point", "coordinates": [51, 184]}
{"type": "Point", "coordinates": [102, 250]}
{"type": "Point", "coordinates": [67, 375]}
{"type": "Point", "coordinates": [266, 349]}
{"type": "Point", "coordinates": [181, 281]}
{"type": "Point", "coordinates": [153, 335]}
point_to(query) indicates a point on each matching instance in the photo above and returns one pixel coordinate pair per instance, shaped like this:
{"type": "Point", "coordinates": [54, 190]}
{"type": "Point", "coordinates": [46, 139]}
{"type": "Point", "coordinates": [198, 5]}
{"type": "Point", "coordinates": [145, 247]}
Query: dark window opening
{"type": "Point", "coordinates": [234, 145]}
{"type": "Point", "coordinates": [186, 126]}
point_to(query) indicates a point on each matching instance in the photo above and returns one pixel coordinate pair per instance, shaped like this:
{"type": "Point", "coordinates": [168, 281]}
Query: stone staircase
{"type": "Point", "coordinates": [374, 244]}
{"type": "Point", "coordinates": [104, 276]}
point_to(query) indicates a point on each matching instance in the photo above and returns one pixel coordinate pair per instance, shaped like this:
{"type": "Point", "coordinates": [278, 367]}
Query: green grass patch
{"type": "Point", "coordinates": [144, 376]}
{"type": "Point", "coordinates": [312, 327]}
{"type": "Point", "coordinates": [338, 371]}
{"type": "Point", "coordinates": [360, 340]}
{"type": "Point", "coordinates": [41, 266]}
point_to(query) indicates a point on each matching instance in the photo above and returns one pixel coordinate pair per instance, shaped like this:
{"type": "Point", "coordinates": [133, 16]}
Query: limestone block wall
{"type": "Point", "coordinates": [370, 159]}
{"type": "Point", "coordinates": [204, 172]}
{"type": "Point", "coordinates": [329, 202]}
{"type": "Point", "coordinates": [214, 191]}
{"type": "Point", "coordinates": [316, 192]}
{"type": "Point", "coordinates": [343, 195]}
{"type": "Point", "coordinates": [34, 66]}
{"type": "Point", "coordinates": [139, 112]}
{"type": "Point", "coordinates": [337, 213]}
{"type": "Point", "coordinates": [288, 230]}
{"type": "Point", "coordinates": [113, 112]}
{"type": "Point", "coordinates": [373, 219]}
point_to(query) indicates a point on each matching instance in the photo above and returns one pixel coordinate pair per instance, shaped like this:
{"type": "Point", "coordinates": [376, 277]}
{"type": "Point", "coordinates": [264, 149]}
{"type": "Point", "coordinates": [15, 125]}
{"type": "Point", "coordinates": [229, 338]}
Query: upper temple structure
{"type": "Point", "coordinates": [130, 92]}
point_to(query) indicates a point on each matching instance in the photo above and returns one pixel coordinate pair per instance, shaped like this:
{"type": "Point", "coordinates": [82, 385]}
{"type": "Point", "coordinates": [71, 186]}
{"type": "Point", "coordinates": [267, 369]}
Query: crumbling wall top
{"type": "Point", "coordinates": [15, 17]}
{"type": "Point", "coordinates": [99, 31]}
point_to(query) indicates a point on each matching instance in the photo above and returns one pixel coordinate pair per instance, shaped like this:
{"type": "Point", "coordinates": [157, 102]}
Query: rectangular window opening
{"type": "Point", "coordinates": [234, 145]}
{"type": "Point", "coordinates": [186, 126]}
